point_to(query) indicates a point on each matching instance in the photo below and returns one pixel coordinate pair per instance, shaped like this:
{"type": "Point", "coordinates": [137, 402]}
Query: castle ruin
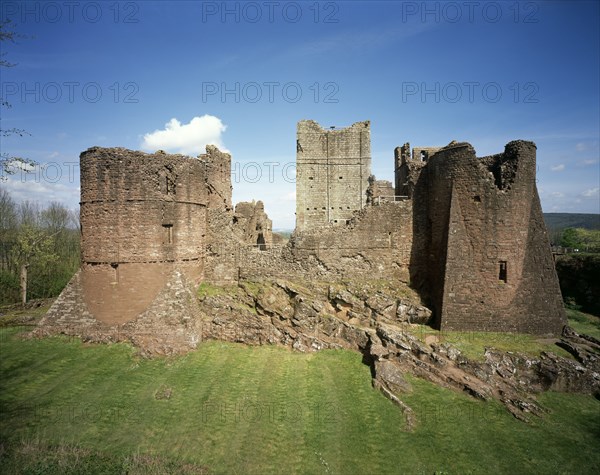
{"type": "Point", "coordinates": [466, 233]}
{"type": "Point", "coordinates": [332, 173]}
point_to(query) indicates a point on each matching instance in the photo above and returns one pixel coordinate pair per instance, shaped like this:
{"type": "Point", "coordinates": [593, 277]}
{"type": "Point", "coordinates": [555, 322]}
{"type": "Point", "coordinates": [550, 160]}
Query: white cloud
{"type": "Point", "coordinates": [591, 193]}
{"type": "Point", "coordinates": [33, 187]}
{"type": "Point", "coordinates": [291, 196]}
{"type": "Point", "coordinates": [188, 139]}
{"type": "Point", "coordinates": [589, 162]}
{"type": "Point", "coordinates": [580, 147]}
{"type": "Point", "coordinates": [557, 194]}
{"type": "Point", "coordinates": [558, 168]}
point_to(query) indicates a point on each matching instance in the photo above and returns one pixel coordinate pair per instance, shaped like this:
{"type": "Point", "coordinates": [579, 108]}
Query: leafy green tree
{"type": "Point", "coordinates": [32, 243]}
{"type": "Point", "coordinates": [569, 238]}
{"type": "Point", "coordinates": [589, 240]}
{"type": "Point", "coordinates": [39, 249]}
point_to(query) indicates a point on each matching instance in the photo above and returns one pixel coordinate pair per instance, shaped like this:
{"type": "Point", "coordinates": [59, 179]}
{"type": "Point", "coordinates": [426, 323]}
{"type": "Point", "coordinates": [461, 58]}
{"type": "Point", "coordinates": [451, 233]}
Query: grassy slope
{"type": "Point", "coordinates": [238, 409]}
{"type": "Point", "coordinates": [584, 322]}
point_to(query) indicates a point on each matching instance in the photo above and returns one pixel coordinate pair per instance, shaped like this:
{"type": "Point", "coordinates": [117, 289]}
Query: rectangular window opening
{"type": "Point", "coordinates": [502, 273]}
{"type": "Point", "coordinates": [168, 234]}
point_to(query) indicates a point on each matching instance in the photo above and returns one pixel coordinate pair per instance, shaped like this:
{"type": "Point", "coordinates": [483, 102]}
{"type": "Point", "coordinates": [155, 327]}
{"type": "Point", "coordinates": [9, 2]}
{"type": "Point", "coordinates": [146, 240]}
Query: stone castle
{"type": "Point", "coordinates": [466, 233]}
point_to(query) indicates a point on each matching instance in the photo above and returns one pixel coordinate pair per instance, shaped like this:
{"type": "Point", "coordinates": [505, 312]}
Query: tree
{"type": "Point", "coordinates": [582, 239]}
{"type": "Point", "coordinates": [8, 226]}
{"type": "Point", "coordinates": [39, 249]}
{"type": "Point", "coordinates": [32, 242]}
{"type": "Point", "coordinates": [569, 238]}
{"type": "Point", "coordinates": [9, 164]}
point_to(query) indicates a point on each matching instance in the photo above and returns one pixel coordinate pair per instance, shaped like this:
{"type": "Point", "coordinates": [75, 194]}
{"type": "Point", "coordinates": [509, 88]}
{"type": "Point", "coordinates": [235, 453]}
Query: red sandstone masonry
{"type": "Point", "coordinates": [469, 236]}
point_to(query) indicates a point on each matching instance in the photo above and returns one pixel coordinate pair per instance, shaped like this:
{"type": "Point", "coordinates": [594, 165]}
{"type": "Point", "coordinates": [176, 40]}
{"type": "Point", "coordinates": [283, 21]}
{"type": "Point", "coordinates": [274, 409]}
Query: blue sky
{"type": "Point", "coordinates": [242, 74]}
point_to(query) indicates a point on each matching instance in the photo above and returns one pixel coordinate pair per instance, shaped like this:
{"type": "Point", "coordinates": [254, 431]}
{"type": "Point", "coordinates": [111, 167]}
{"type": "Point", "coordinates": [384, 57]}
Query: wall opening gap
{"type": "Point", "coordinates": [502, 271]}
{"type": "Point", "coordinates": [168, 234]}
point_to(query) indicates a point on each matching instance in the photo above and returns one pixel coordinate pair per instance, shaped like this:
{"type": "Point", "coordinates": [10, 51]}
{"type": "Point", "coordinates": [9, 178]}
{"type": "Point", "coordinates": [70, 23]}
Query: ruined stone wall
{"type": "Point", "coordinates": [401, 157]}
{"type": "Point", "coordinates": [490, 265]}
{"type": "Point", "coordinates": [379, 190]}
{"type": "Point", "coordinates": [423, 154]}
{"type": "Point", "coordinates": [333, 168]}
{"type": "Point", "coordinates": [231, 236]}
{"type": "Point", "coordinates": [275, 262]}
{"type": "Point", "coordinates": [254, 224]}
{"type": "Point", "coordinates": [470, 238]}
{"type": "Point", "coordinates": [218, 178]}
{"type": "Point", "coordinates": [376, 244]}
{"type": "Point", "coordinates": [407, 170]}
{"type": "Point", "coordinates": [221, 262]}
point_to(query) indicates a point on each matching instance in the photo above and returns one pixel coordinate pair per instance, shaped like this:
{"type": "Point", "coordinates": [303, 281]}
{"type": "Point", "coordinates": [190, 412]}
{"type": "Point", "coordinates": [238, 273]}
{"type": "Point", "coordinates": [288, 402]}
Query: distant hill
{"type": "Point", "coordinates": [555, 222]}
{"type": "Point", "coordinates": [560, 221]}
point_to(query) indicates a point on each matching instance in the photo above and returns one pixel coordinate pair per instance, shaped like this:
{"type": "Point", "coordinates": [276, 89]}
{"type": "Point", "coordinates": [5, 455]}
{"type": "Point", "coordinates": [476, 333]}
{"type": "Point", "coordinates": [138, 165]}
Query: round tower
{"type": "Point", "coordinates": [142, 217]}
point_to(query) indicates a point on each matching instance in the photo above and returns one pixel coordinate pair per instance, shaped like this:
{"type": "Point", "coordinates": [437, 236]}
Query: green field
{"type": "Point", "coordinates": [67, 407]}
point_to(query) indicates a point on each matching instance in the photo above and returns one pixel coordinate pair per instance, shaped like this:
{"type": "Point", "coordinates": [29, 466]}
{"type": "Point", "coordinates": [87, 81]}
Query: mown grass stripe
{"type": "Point", "coordinates": [456, 434]}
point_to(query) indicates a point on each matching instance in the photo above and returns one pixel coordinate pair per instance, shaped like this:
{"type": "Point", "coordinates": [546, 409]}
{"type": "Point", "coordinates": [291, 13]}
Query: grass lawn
{"type": "Point", "coordinates": [66, 407]}
{"type": "Point", "coordinates": [584, 322]}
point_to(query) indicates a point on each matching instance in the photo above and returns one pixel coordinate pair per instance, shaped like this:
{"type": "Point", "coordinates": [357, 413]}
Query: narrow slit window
{"type": "Point", "coordinates": [170, 185]}
{"type": "Point", "coordinates": [168, 234]}
{"type": "Point", "coordinates": [502, 272]}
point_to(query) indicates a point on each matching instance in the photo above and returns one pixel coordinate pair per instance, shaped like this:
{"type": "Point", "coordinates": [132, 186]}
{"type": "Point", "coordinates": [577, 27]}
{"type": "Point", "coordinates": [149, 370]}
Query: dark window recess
{"type": "Point", "coordinates": [502, 272]}
{"type": "Point", "coordinates": [477, 199]}
{"type": "Point", "coordinates": [260, 242]}
{"type": "Point", "coordinates": [168, 234]}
